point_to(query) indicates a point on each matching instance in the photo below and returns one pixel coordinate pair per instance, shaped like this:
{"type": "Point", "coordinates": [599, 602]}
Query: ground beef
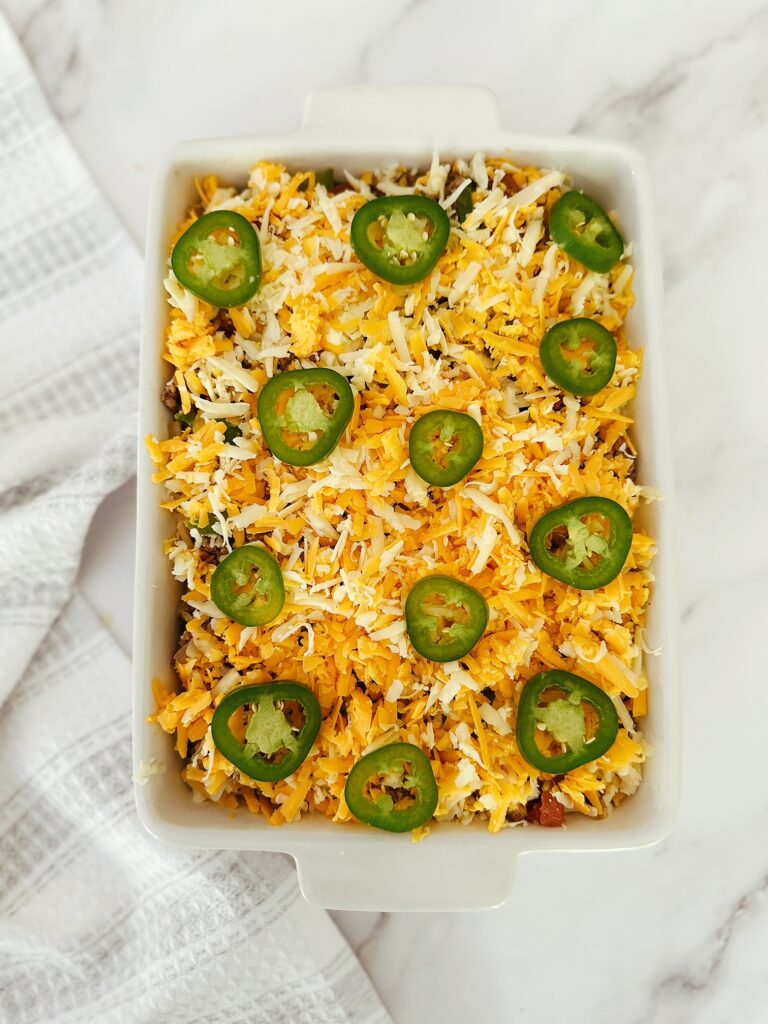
{"type": "Point", "coordinates": [453, 181]}
{"type": "Point", "coordinates": [169, 396]}
{"type": "Point", "coordinates": [223, 322]}
{"type": "Point", "coordinates": [509, 185]}
{"type": "Point", "coordinates": [212, 550]}
{"type": "Point", "coordinates": [210, 544]}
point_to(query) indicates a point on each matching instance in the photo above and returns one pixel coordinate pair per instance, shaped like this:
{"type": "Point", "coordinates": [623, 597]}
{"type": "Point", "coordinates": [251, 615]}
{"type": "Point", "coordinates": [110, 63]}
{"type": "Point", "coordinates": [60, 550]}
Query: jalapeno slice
{"type": "Point", "coordinates": [583, 543]}
{"type": "Point", "coordinates": [579, 722]}
{"type": "Point", "coordinates": [303, 414]}
{"type": "Point", "coordinates": [186, 419]}
{"type": "Point", "coordinates": [400, 238]}
{"type": "Point", "coordinates": [218, 258]}
{"type": "Point", "coordinates": [278, 721]}
{"type": "Point", "coordinates": [579, 355]}
{"type": "Point", "coordinates": [248, 586]}
{"type": "Point", "coordinates": [231, 432]}
{"type": "Point", "coordinates": [584, 230]}
{"type": "Point", "coordinates": [326, 178]}
{"type": "Point", "coordinates": [445, 618]}
{"type": "Point", "coordinates": [464, 204]}
{"type": "Point", "coordinates": [392, 788]}
{"type": "Point", "coordinates": [444, 446]}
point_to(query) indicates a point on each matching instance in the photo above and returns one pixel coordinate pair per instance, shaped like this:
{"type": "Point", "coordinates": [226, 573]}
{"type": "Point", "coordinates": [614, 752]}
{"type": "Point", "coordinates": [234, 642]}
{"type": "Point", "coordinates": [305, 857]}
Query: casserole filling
{"type": "Point", "coordinates": [371, 470]}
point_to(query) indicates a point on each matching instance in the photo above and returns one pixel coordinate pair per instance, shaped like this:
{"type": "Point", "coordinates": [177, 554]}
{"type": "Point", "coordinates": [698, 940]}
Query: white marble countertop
{"type": "Point", "coordinates": [672, 934]}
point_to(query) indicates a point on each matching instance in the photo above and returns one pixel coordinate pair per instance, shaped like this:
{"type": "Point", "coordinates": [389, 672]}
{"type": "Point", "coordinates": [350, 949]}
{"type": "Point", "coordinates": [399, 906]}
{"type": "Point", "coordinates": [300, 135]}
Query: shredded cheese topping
{"type": "Point", "coordinates": [354, 532]}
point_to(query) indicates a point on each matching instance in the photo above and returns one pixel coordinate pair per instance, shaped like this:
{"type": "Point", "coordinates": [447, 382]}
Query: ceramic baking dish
{"type": "Point", "coordinates": [354, 867]}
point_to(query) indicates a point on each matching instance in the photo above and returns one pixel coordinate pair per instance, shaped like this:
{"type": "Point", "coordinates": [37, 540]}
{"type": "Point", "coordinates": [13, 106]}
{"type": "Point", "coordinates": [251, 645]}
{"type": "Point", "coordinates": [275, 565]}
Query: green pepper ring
{"type": "Point", "coordinates": [618, 546]}
{"type": "Point", "coordinates": [570, 375]}
{"type": "Point", "coordinates": [233, 572]}
{"type": "Point", "coordinates": [329, 438]}
{"type": "Point", "coordinates": [248, 255]}
{"type": "Point", "coordinates": [527, 721]}
{"type": "Point", "coordinates": [429, 252]}
{"type": "Point", "coordinates": [459, 463]}
{"type": "Point", "coordinates": [392, 757]}
{"type": "Point", "coordinates": [256, 766]}
{"type": "Point", "coordinates": [419, 631]}
{"type": "Point", "coordinates": [464, 203]}
{"type": "Point", "coordinates": [583, 229]}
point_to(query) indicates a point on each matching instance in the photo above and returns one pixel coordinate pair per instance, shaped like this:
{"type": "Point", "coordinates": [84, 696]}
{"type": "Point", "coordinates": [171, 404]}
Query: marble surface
{"type": "Point", "coordinates": [677, 933]}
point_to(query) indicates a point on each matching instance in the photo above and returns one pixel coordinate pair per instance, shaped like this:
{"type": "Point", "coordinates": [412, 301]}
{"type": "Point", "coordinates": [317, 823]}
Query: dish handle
{"type": "Point", "coordinates": [400, 111]}
{"type": "Point", "coordinates": [407, 876]}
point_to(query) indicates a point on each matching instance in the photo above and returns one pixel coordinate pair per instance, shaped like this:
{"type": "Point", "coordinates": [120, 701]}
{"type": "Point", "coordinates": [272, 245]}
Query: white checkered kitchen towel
{"type": "Point", "coordinates": [98, 923]}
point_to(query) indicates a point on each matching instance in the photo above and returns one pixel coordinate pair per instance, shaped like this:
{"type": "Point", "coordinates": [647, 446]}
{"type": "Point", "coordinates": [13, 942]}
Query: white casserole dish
{"type": "Point", "coordinates": [354, 867]}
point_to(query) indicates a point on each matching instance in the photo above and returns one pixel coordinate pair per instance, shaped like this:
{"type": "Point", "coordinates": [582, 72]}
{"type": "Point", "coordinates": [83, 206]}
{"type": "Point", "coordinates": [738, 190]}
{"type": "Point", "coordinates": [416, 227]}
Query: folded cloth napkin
{"type": "Point", "coordinates": [98, 922]}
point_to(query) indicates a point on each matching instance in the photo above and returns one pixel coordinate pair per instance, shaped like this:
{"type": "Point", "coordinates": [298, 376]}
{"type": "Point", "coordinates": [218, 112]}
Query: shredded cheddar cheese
{"type": "Point", "coordinates": [355, 532]}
